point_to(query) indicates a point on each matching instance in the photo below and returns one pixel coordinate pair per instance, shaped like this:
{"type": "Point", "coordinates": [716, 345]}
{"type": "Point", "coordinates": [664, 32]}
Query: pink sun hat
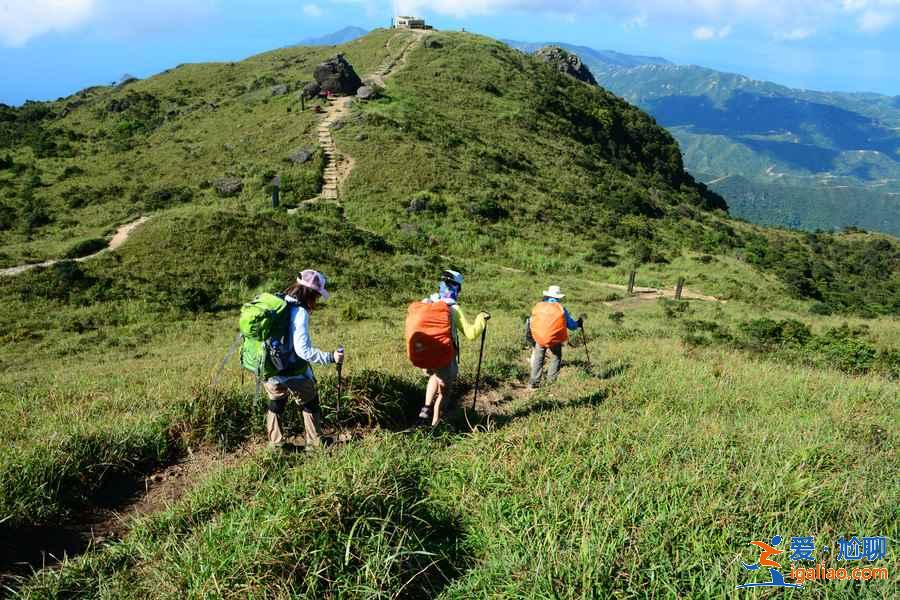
{"type": "Point", "coordinates": [314, 281]}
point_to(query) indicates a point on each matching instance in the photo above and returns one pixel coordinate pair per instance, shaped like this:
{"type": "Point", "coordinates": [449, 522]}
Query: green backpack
{"type": "Point", "coordinates": [265, 325]}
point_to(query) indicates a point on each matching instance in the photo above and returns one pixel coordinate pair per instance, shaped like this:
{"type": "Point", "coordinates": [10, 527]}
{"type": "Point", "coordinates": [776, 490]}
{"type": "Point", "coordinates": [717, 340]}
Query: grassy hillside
{"type": "Point", "coordinates": [75, 168]}
{"type": "Point", "coordinates": [701, 426]}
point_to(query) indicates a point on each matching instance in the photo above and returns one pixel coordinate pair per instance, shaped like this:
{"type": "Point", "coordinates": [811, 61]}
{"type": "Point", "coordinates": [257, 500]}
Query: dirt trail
{"type": "Point", "coordinates": [40, 547]}
{"type": "Point", "coordinates": [120, 237]}
{"type": "Point", "coordinates": [646, 293]}
{"type": "Point", "coordinates": [338, 165]}
{"type": "Point", "coordinates": [640, 293]}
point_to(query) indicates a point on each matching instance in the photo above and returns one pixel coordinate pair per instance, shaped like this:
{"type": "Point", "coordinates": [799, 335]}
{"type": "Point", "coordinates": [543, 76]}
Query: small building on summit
{"type": "Point", "coordinates": [410, 23]}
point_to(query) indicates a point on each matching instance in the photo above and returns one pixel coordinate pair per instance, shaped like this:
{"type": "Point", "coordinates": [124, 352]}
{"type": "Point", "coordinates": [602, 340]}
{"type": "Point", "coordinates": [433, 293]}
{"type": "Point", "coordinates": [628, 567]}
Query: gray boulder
{"type": "Point", "coordinates": [366, 93]}
{"type": "Point", "coordinates": [337, 76]}
{"type": "Point", "coordinates": [432, 43]}
{"type": "Point", "coordinates": [227, 187]}
{"type": "Point", "coordinates": [566, 62]}
{"type": "Point", "coordinates": [311, 90]}
{"type": "Point", "coordinates": [280, 89]}
{"type": "Point", "coordinates": [298, 157]}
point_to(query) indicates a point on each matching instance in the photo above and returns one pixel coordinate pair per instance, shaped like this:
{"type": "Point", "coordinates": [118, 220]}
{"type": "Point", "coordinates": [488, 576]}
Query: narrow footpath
{"type": "Point", "coordinates": [121, 236]}
{"type": "Point", "coordinates": [338, 165]}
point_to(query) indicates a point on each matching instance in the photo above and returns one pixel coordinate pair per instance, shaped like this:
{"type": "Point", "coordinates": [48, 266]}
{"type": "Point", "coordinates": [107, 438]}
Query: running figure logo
{"type": "Point", "coordinates": [764, 561]}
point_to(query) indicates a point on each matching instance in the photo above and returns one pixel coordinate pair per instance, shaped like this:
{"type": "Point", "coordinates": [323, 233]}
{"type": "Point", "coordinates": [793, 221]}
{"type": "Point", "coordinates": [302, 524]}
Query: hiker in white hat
{"type": "Point", "coordinates": [549, 326]}
{"type": "Point", "coordinates": [296, 381]}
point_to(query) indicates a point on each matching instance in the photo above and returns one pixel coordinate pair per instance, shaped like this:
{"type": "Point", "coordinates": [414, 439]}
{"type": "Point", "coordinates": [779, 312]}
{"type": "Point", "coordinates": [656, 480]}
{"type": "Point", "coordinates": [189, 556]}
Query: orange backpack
{"type": "Point", "coordinates": [429, 335]}
{"type": "Point", "coordinates": [548, 324]}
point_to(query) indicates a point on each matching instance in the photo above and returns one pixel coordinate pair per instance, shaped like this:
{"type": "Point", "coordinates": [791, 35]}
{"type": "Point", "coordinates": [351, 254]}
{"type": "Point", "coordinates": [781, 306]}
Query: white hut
{"type": "Point", "coordinates": [410, 23]}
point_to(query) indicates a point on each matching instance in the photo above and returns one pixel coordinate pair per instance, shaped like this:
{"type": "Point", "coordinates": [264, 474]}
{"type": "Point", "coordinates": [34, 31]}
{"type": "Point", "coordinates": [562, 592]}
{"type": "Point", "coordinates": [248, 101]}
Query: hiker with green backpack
{"type": "Point", "coordinates": [432, 342]}
{"type": "Point", "coordinates": [277, 349]}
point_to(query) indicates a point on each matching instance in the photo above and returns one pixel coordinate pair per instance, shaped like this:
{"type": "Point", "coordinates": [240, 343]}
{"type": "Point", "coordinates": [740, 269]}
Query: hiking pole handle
{"type": "Point", "coordinates": [478, 371]}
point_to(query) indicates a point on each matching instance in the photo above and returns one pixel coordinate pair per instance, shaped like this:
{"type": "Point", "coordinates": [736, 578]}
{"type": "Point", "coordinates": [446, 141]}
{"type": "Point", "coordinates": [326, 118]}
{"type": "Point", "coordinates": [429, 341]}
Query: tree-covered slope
{"type": "Point", "coordinates": [792, 145]}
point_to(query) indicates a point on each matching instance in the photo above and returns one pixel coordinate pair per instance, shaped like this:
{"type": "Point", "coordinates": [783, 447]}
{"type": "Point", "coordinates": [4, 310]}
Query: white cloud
{"type": "Point", "coordinates": [22, 20]}
{"type": "Point", "coordinates": [784, 19]}
{"type": "Point", "coordinates": [636, 22]}
{"type": "Point", "coordinates": [797, 34]}
{"type": "Point", "coordinates": [706, 33]}
{"type": "Point", "coordinates": [312, 10]}
{"type": "Point", "coordinates": [873, 21]}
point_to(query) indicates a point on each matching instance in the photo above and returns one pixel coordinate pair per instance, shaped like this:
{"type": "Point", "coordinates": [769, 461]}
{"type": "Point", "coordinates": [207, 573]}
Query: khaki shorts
{"type": "Point", "coordinates": [447, 375]}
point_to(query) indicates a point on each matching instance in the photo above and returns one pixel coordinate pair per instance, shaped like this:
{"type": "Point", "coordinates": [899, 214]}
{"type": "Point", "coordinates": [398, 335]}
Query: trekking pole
{"type": "Point", "coordinates": [340, 365]}
{"type": "Point", "coordinates": [586, 351]}
{"type": "Point", "coordinates": [478, 371]}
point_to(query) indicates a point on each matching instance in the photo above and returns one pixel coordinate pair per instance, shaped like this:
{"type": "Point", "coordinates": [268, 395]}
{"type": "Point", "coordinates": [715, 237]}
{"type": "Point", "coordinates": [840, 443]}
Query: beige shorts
{"type": "Point", "coordinates": [447, 375]}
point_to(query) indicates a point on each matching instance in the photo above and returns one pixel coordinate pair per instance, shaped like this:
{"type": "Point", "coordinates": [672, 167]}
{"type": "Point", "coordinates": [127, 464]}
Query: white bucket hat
{"type": "Point", "coordinates": [314, 281]}
{"type": "Point", "coordinates": [554, 292]}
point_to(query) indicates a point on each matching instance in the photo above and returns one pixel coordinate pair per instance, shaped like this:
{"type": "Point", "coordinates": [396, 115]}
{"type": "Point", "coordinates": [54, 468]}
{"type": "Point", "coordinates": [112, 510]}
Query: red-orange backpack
{"type": "Point", "coordinates": [429, 335]}
{"type": "Point", "coordinates": [548, 324]}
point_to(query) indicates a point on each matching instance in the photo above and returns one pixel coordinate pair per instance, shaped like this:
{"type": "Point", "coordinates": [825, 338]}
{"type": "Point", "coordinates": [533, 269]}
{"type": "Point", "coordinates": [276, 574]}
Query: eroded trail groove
{"type": "Point", "coordinates": [120, 237]}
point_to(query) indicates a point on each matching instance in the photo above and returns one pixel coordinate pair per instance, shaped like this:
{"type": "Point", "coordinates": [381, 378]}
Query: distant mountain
{"type": "Point", "coordinates": [592, 57]}
{"type": "Point", "coordinates": [347, 34]}
{"type": "Point", "coordinates": [808, 159]}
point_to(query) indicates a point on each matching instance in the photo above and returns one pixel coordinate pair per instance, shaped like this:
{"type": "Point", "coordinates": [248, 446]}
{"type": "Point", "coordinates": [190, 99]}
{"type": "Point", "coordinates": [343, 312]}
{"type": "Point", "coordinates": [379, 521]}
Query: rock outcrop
{"type": "Point", "coordinates": [566, 62]}
{"type": "Point", "coordinates": [228, 186]}
{"type": "Point", "coordinates": [365, 93]}
{"type": "Point", "coordinates": [337, 76]}
{"type": "Point", "coordinates": [300, 156]}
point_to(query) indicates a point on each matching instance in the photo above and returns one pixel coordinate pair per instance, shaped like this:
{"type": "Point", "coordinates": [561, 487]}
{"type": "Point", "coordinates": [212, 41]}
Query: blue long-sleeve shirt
{"type": "Point", "coordinates": [571, 323]}
{"type": "Point", "coordinates": [300, 343]}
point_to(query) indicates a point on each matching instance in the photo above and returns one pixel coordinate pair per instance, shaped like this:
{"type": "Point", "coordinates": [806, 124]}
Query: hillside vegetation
{"type": "Point", "coordinates": [804, 159]}
{"type": "Point", "coordinates": [698, 427]}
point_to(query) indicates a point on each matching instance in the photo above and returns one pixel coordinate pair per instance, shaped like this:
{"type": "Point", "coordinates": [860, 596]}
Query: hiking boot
{"type": "Point", "coordinates": [285, 448]}
{"type": "Point", "coordinates": [424, 418]}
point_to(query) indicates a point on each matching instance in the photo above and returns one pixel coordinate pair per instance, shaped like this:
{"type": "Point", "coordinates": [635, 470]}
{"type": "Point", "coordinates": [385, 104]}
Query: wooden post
{"type": "Point", "coordinates": [302, 101]}
{"type": "Point", "coordinates": [631, 278]}
{"type": "Point", "coordinates": [679, 288]}
{"type": "Point", "coordinates": [275, 184]}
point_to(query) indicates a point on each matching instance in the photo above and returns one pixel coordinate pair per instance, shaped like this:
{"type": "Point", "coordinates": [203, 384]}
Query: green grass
{"type": "Point", "coordinates": [648, 484]}
{"type": "Point", "coordinates": [646, 480]}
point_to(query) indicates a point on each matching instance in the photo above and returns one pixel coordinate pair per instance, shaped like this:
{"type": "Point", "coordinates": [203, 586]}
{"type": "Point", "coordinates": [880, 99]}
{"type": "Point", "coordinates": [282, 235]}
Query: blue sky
{"type": "Point", "coordinates": [52, 48]}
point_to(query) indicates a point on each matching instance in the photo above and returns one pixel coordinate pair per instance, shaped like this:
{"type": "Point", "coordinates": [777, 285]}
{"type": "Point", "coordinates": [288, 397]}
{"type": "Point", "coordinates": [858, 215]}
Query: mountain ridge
{"type": "Point", "coordinates": [335, 38]}
{"type": "Point", "coordinates": [789, 143]}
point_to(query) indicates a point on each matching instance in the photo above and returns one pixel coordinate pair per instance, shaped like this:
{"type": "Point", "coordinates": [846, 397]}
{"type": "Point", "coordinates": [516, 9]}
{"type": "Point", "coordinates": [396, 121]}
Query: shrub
{"type": "Point", "coordinates": [850, 355]}
{"type": "Point", "coordinates": [487, 208]}
{"type": "Point", "coordinates": [603, 252]}
{"type": "Point", "coordinates": [766, 333]}
{"type": "Point", "coordinates": [820, 308]}
{"type": "Point", "coordinates": [674, 309]}
{"type": "Point", "coordinates": [166, 197]}
{"type": "Point", "coordinates": [86, 248]}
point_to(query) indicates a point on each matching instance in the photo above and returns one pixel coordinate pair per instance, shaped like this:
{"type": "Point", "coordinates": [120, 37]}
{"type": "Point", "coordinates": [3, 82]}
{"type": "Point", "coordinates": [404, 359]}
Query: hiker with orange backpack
{"type": "Point", "coordinates": [549, 326]}
{"type": "Point", "coordinates": [277, 348]}
{"type": "Point", "coordinates": [432, 342]}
